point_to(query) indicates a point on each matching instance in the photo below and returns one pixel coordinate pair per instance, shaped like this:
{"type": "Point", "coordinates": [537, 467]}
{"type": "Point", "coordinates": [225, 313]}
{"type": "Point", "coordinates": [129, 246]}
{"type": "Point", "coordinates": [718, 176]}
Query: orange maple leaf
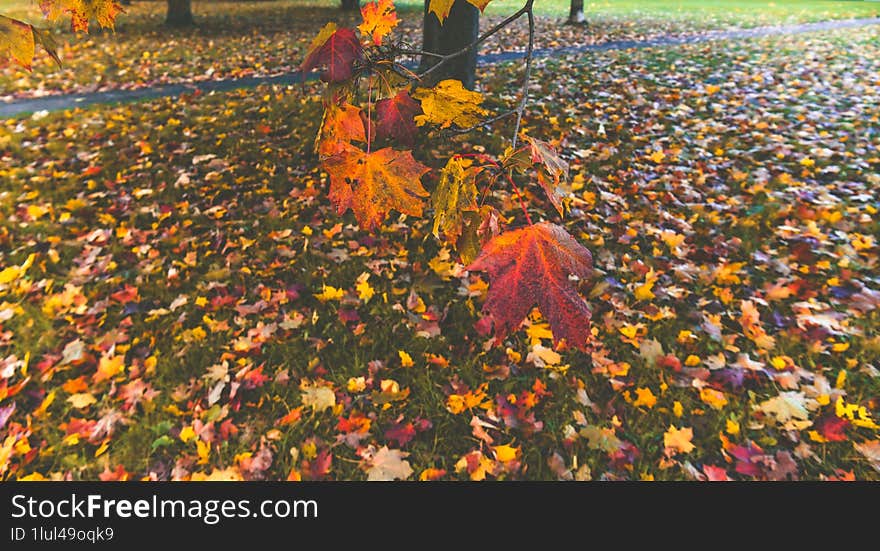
{"type": "Point", "coordinates": [83, 11]}
{"type": "Point", "coordinates": [372, 184]}
{"type": "Point", "coordinates": [535, 265]}
{"type": "Point", "coordinates": [379, 18]}
{"type": "Point", "coordinates": [342, 124]}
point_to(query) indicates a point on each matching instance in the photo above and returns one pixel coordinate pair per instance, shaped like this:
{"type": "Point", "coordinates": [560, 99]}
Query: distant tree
{"type": "Point", "coordinates": [576, 12]}
{"type": "Point", "coordinates": [461, 28]}
{"type": "Point", "coordinates": [179, 13]}
{"type": "Point", "coordinates": [350, 5]}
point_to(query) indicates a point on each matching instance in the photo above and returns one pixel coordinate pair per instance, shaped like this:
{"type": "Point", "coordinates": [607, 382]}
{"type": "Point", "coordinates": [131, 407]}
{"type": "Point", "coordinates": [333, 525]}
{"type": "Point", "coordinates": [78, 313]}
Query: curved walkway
{"type": "Point", "coordinates": [70, 101]}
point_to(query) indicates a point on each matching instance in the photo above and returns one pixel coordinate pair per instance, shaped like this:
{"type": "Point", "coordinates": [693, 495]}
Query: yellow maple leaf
{"type": "Point", "coordinates": [187, 433]}
{"type": "Point", "coordinates": [329, 293]}
{"type": "Point", "coordinates": [17, 41]}
{"type": "Point", "coordinates": [677, 440]}
{"type": "Point", "coordinates": [506, 453]}
{"type": "Point", "coordinates": [362, 286]}
{"type": "Point", "coordinates": [405, 359]}
{"type": "Point", "coordinates": [731, 427]}
{"type": "Point", "coordinates": [203, 449]}
{"type": "Point", "coordinates": [644, 397]}
{"type": "Point", "coordinates": [657, 156]}
{"type": "Point", "coordinates": [10, 274]}
{"type": "Point", "coordinates": [441, 7]}
{"type": "Point", "coordinates": [646, 290]}
{"type": "Point", "coordinates": [109, 367]}
{"type": "Point", "coordinates": [715, 398]}
{"type": "Point", "coordinates": [81, 400]}
{"type": "Point", "coordinates": [449, 103]}
{"type": "Point", "coordinates": [538, 331]}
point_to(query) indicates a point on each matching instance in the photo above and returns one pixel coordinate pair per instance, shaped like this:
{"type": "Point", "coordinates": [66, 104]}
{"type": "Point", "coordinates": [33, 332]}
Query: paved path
{"type": "Point", "coordinates": [70, 101]}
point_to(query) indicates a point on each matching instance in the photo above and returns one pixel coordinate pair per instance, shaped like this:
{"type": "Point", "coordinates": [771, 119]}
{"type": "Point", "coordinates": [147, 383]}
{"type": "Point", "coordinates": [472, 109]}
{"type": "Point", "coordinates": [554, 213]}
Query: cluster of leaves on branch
{"type": "Point", "coordinates": [373, 104]}
{"type": "Point", "coordinates": [19, 39]}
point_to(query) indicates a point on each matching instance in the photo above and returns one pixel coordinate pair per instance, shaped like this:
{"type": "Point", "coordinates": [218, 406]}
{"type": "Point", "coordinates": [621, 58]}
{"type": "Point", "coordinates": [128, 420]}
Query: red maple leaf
{"type": "Point", "coordinates": [832, 427]}
{"type": "Point", "coordinates": [401, 432]}
{"type": "Point", "coordinates": [395, 118]}
{"type": "Point", "coordinates": [537, 265]}
{"type": "Point", "coordinates": [337, 54]}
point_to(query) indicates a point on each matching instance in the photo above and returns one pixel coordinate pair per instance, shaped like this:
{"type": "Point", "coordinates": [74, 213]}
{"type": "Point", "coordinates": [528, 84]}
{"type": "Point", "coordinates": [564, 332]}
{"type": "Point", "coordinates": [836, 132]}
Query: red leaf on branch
{"type": "Point", "coordinates": [338, 54]}
{"type": "Point", "coordinates": [394, 118]}
{"type": "Point", "coordinates": [534, 266]}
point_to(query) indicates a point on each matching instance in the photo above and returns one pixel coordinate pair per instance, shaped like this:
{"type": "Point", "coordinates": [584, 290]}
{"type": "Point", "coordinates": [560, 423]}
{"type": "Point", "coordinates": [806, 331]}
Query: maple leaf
{"type": "Point", "coordinates": [545, 154]}
{"type": "Point", "coordinates": [535, 265]}
{"type": "Point", "coordinates": [441, 7]}
{"type": "Point", "coordinates": [449, 103]}
{"type": "Point", "coordinates": [678, 440]}
{"type": "Point", "coordinates": [395, 118]}
{"type": "Point", "coordinates": [386, 464]}
{"type": "Point", "coordinates": [379, 18]}
{"type": "Point", "coordinates": [456, 193]}
{"type": "Point", "coordinates": [789, 409]}
{"type": "Point", "coordinates": [317, 397]}
{"type": "Point", "coordinates": [340, 125]}
{"type": "Point", "coordinates": [372, 184]}
{"type": "Point", "coordinates": [320, 39]}
{"type": "Point", "coordinates": [831, 428]}
{"type": "Point", "coordinates": [17, 41]}
{"type": "Point", "coordinates": [337, 53]}
{"type": "Point", "coordinates": [83, 11]}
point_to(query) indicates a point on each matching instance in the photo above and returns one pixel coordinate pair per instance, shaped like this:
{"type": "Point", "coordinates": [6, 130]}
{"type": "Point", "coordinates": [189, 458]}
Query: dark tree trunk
{"type": "Point", "coordinates": [179, 13]}
{"type": "Point", "coordinates": [350, 5]}
{"type": "Point", "coordinates": [458, 30]}
{"type": "Point", "coordinates": [576, 12]}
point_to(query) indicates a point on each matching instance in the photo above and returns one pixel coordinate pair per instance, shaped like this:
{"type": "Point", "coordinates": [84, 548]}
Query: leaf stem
{"type": "Point", "coordinates": [519, 195]}
{"type": "Point", "coordinates": [369, 110]}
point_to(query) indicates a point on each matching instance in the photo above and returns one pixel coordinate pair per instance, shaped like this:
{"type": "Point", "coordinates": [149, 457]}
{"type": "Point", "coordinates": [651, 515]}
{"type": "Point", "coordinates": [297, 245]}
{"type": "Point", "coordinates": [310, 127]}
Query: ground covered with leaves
{"type": "Point", "coordinates": [178, 299]}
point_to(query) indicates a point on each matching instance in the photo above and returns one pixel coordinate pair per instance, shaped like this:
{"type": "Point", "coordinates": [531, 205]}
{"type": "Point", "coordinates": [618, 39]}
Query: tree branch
{"type": "Point", "coordinates": [487, 122]}
{"type": "Point", "coordinates": [528, 73]}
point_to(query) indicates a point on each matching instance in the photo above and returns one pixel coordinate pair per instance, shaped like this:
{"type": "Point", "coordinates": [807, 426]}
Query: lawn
{"type": "Point", "coordinates": [179, 300]}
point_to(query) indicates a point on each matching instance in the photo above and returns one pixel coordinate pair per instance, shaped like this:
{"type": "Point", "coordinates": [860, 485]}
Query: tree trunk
{"type": "Point", "coordinates": [179, 13]}
{"type": "Point", "coordinates": [350, 5]}
{"type": "Point", "coordinates": [576, 12]}
{"type": "Point", "coordinates": [458, 30]}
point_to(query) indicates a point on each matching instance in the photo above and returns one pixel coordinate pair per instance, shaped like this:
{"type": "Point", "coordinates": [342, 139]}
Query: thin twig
{"type": "Point", "coordinates": [487, 122]}
{"type": "Point", "coordinates": [525, 87]}
{"type": "Point", "coordinates": [404, 51]}
{"type": "Point", "coordinates": [519, 195]}
{"type": "Point", "coordinates": [447, 57]}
